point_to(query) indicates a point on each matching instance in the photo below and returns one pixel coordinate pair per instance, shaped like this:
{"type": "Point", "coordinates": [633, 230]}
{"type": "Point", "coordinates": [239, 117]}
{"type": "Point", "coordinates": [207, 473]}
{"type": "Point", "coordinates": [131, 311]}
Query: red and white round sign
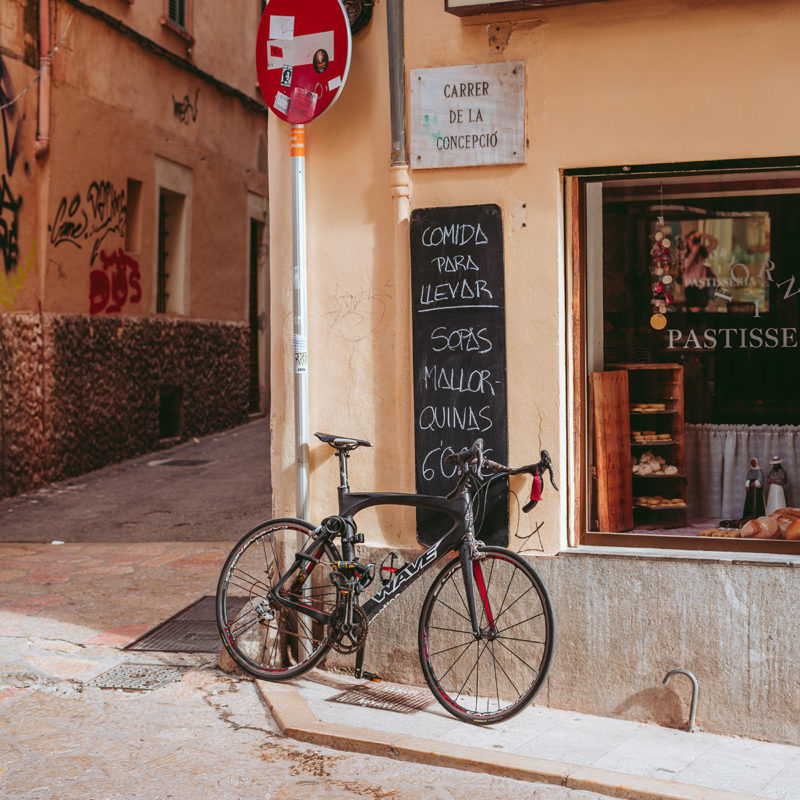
{"type": "Point", "coordinates": [302, 57]}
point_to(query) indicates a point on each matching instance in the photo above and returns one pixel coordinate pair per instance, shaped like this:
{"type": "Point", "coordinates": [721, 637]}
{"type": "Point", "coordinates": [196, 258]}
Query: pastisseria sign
{"type": "Point", "coordinates": [468, 116]}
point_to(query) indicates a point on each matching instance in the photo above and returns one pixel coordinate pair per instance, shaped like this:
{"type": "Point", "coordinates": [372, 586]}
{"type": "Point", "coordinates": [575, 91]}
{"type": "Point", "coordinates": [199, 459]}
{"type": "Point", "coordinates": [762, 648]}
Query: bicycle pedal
{"type": "Point", "coordinates": [368, 676]}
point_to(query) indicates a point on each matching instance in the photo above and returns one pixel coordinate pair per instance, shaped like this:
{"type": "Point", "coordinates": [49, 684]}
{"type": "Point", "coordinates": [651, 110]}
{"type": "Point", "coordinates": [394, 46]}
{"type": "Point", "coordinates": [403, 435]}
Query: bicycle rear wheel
{"type": "Point", "coordinates": [491, 678]}
{"type": "Point", "coordinates": [266, 639]}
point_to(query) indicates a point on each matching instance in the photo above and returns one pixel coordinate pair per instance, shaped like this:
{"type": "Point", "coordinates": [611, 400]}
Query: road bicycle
{"type": "Point", "coordinates": [287, 594]}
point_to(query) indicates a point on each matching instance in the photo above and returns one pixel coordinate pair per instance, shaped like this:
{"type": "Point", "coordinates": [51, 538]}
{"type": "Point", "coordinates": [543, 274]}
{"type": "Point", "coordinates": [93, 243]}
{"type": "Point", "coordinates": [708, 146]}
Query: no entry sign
{"type": "Point", "coordinates": [302, 57]}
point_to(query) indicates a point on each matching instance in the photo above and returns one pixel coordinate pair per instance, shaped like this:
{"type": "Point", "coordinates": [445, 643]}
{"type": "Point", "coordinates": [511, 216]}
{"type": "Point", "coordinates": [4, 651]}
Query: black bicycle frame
{"type": "Point", "coordinates": [457, 506]}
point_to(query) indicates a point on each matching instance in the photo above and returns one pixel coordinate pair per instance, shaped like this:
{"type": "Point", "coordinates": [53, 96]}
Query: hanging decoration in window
{"type": "Point", "coordinates": [662, 263]}
{"type": "Point", "coordinates": [664, 258]}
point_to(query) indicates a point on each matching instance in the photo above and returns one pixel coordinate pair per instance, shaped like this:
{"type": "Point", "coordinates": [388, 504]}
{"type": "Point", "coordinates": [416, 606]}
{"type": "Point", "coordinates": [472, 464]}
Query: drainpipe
{"type": "Point", "coordinates": [397, 98]}
{"type": "Point", "coordinates": [42, 145]}
{"type": "Point", "coordinates": [400, 185]}
{"type": "Point", "coordinates": [397, 80]}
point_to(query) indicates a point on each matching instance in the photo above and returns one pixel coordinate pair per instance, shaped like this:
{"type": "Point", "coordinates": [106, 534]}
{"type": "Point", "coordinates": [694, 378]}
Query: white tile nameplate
{"type": "Point", "coordinates": [468, 116]}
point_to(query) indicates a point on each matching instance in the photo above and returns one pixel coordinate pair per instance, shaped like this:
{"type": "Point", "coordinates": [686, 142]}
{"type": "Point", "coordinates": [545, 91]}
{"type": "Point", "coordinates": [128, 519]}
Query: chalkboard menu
{"type": "Point", "coordinates": [459, 339]}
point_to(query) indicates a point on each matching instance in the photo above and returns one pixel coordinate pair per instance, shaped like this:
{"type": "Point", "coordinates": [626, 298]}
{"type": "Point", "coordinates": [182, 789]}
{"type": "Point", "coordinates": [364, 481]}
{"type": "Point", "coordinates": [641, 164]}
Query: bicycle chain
{"type": "Point", "coordinates": [352, 640]}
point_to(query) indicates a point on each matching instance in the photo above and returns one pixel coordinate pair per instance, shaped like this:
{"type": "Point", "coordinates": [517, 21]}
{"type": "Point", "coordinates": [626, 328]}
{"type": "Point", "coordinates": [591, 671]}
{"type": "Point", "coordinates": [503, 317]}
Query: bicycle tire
{"type": "Point", "coordinates": [525, 655]}
{"type": "Point", "coordinates": [245, 615]}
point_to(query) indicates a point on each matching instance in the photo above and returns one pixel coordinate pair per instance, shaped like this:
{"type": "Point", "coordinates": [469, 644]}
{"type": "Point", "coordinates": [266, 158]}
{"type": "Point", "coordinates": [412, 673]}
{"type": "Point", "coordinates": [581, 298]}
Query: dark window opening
{"type": "Point", "coordinates": [162, 275]}
{"type": "Point", "coordinates": [133, 225]}
{"type": "Point", "coordinates": [170, 412]}
{"type": "Point", "coordinates": [177, 13]}
{"type": "Point", "coordinates": [256, 229]}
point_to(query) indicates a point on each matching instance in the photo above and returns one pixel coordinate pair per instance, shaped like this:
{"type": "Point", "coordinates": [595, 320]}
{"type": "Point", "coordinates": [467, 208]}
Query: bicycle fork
{"type": "Point", "coordinates": [472, 571]}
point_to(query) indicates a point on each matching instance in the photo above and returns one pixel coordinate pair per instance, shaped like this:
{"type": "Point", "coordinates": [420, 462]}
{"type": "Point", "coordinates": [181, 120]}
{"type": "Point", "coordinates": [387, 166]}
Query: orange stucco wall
{"type": "Point", "coordinates": [608, 83]}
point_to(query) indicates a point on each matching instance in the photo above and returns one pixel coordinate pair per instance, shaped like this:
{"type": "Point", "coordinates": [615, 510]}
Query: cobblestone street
{"type": "Point", "coordinates": [65, 612]}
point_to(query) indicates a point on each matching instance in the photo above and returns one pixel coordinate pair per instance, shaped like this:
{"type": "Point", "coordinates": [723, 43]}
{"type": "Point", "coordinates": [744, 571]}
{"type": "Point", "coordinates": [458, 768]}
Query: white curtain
{"type": "Point", "coordinates": [718, 457]}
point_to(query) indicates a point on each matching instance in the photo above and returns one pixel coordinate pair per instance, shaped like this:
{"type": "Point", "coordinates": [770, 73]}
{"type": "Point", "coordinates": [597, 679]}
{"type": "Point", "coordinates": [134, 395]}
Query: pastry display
{"type": "Point", "coordinates": [724, 533]}
{"type": "Point", "coordinates": [645, 407]}
{"type": "Point", "coordinates": [650, 464]}
{"type": "Point", "coordinates": [657, 501]}
{"type": "Point", "coordinates": [650, 436]}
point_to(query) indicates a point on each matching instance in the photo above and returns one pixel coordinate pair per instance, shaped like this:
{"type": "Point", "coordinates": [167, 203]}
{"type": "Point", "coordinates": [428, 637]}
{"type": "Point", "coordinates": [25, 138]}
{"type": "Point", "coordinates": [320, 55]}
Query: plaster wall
{"type": "Point", "coordinates": [626, 620]}
{"type": "Point", "coordinates": [608, 83]}
{"type": "Point", "coordinates": [211, 40]}
{"type": "Point", "coordinates": [79, 262]}
{"type": "Point", "coordinates": [111, 127]}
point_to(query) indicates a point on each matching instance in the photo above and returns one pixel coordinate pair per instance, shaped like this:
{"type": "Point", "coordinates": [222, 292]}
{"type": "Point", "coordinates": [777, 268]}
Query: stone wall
{"type": "Point", "coordinates": [79, 392]}
{"type": "Point", "coordinates": [21, 403]}
{"type": "Point", "coordinates": [625, 620]}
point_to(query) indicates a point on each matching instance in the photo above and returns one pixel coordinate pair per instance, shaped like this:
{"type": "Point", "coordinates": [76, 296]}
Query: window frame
{"type": "Point", "coordinates": [175, 180]}
{"type": "Point", "coordinates": [575, 182]}
{"type": "Point", "coordinates": [185, 30]}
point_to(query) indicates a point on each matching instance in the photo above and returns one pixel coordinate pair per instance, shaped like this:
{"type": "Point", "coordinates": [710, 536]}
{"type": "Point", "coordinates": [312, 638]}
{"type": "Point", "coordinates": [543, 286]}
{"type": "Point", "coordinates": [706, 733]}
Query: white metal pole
{"type": "Point", "coordinates": [298, 155]}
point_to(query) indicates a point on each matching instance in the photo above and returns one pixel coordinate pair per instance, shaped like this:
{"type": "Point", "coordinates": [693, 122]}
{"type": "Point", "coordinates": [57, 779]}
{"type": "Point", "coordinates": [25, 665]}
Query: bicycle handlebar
{"type": "Point", "coordinates": [472, 458]}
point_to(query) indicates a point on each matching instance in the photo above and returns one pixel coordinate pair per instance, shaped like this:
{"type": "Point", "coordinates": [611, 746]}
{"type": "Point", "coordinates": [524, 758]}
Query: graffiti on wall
{"type": "Point", "coordinates": [14, 272]}
{"type": "Point", "coordinates": [116, 284]}
{"type": "Point", "coordinates": [9, 204]}
{"type": "Point", "coordinates": [9, 222]}
{"type": "Point", "coordinates": [11, 124]}
{"type": "Point", "coordinates": [89, 221]}
{"type": "Point", "coordinates": [185, 110]}
{"type": "Point", "coordinates": [11, 283]}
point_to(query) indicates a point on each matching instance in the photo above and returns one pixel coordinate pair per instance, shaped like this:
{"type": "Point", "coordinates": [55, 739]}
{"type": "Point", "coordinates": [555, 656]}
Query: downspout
{"type": "Point", "coordinates": [399, 181]}
{"type": "Point", "coordinates": [397, 99]}
{"type": "Point", "coordinates": [42, 145]}
{"type": "Point", "coordinates": [40, 150]}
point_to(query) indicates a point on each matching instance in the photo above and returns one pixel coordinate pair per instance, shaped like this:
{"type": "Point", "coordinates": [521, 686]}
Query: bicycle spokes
{"type": "Point", "coordinates": [272, 607]}
{"type": "Point", "coordinates": [492, 675]}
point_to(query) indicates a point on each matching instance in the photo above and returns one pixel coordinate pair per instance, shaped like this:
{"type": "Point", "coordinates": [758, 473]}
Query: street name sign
{"type": "Point", "coordinates": [468, 116]}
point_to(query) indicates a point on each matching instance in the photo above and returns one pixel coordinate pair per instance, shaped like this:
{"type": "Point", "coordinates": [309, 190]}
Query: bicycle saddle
{"type": "Point", "coordinates": [345, 442]}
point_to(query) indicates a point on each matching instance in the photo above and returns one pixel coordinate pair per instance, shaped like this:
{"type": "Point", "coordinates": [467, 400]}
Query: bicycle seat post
{"type": "Point", "coordinates": [343, 454]}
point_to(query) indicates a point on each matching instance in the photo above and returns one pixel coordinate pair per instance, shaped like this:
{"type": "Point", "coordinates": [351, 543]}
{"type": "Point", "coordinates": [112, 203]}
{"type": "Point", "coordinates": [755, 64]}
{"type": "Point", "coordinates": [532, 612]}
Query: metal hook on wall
{"type": "Point", "coordinates": [695, 692]}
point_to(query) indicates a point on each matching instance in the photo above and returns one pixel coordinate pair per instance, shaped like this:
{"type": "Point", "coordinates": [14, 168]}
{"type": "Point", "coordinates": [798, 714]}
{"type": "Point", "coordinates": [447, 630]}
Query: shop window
{"type": "Point", "coordinates": [691, 290]}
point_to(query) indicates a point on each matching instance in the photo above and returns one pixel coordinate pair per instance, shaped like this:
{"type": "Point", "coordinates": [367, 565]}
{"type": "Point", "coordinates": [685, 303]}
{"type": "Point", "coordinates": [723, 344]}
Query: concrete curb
{"type": "Point", "coordinates": [297, 721]}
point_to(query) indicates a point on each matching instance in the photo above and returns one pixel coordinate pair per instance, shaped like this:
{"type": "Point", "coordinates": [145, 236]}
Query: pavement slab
{"type": "Point", "coordinates": [202, 736]}
{"type": "Point", "coordinates": [617, 757]}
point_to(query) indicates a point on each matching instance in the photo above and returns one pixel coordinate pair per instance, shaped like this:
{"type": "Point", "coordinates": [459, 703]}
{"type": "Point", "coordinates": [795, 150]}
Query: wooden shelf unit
{"type": "Point", "coordinates": [659, 383]}
{"type": "Point", "coordinates": [616, 452]}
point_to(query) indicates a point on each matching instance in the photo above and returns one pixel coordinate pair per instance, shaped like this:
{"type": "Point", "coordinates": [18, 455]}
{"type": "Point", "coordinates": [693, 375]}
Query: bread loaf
{"type": "Point", "coordinates": [792, 531]}
{"type": "Point", "coordinates": [762, 528]}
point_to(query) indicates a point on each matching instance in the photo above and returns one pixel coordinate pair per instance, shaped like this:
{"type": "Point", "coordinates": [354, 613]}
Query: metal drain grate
{"type": "Point", "coordinates": [193, 630]}
{"type": "Point", "coordinates": [185, 462]}
{"type": "Point", "coordinates": [137, 676]}
{"type": "Point", "coordinates": [386, 697]}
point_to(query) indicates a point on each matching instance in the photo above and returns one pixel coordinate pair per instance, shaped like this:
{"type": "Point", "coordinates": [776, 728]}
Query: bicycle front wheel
{"type": "Point", "coordinates": [492, 677]}
{"type": "Point", "coordinates": [266, 639]}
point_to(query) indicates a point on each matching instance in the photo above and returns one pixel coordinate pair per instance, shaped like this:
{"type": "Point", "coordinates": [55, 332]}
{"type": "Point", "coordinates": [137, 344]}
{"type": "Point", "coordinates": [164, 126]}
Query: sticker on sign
{"type": "Point", "coordinates": [302, 57]}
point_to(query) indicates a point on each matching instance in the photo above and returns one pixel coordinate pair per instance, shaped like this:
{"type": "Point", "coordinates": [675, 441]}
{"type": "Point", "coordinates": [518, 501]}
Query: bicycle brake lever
{"type": "Point", "coordinates": [547, 463]}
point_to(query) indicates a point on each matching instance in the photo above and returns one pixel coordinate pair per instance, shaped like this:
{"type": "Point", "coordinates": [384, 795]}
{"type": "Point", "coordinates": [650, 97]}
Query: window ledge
{"type": "Point", "coordinates": [701, 556]}
{"type": "Point", "coordinates": [184, 34]}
